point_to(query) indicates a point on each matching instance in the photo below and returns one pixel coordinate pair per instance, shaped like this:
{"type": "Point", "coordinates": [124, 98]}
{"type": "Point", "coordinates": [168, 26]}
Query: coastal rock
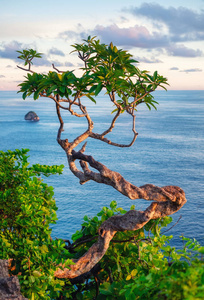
{"type": "Point", "coordinates": [32, 116]}
{"type": "Point", "coordinates": [9, 285]}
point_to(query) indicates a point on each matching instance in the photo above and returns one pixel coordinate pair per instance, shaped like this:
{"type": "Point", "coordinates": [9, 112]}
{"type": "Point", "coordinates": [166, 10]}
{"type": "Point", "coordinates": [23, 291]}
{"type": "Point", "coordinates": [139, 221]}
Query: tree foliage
{"type": "Point", "coordinates": [105, 67]}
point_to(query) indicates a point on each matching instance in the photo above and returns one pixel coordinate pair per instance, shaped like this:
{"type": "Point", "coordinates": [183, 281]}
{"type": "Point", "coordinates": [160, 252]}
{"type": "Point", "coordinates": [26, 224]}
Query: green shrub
{"type": "Point", "coordinates": [27, 209]}
{"type": "Point", "coordinates": [142, 264]}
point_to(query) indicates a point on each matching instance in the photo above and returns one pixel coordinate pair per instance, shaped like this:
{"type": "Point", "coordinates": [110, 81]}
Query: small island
{"type": "Point", "coordinates": [32, 116]}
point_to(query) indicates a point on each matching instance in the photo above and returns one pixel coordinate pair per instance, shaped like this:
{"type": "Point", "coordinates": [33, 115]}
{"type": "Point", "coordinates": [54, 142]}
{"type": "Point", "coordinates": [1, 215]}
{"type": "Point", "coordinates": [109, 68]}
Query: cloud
{"type": "Point", "coordinates": [2, 76]}
{"type": "Point", "coordinates": [68, 35]}
{"type": "Point", "coordinates": [8, 51]}
{"type": "Point", "coordinates": [192, 70]}
{"type": "Point", "coordinates": [78, 33]}
{"type": "Point", "coordinates": [55, 51]}
{"type": "Point", "coordinates": [183, 51]}
{"type": "Point", "coordinates": [140, 36]}
{"type": "Point", "coordinates": [170, 28]}
{"type": "Point", "coordinates": [42, 62]}
{"type": "Point", "coordinates": [68, 64]}
{"type": "Point", "coordinates": [183, 23]}
{"type": "Point", "coordinates": [174, 69]}
{"type": "Point", "coordinates": [151, 60]}
{"type": "Point", "coordinates": [137, 36]}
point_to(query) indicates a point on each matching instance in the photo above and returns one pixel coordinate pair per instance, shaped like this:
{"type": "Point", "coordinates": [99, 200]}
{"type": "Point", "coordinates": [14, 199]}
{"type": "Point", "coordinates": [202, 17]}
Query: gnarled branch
{"type": "Point", "coordinates": [132, 220]}
{"type": "Point", "coordinates": [167, 200]}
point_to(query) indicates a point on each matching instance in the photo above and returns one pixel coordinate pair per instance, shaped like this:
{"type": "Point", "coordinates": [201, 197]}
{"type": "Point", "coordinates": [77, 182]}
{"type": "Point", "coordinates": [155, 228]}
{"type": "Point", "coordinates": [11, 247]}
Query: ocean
{"type": "Point", "coordinates": [169, 150]}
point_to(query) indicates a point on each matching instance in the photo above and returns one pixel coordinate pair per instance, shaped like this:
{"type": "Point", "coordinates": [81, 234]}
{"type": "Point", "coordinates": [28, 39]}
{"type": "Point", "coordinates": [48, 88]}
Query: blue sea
{"type": "Point", "coordinates": [169, 150]}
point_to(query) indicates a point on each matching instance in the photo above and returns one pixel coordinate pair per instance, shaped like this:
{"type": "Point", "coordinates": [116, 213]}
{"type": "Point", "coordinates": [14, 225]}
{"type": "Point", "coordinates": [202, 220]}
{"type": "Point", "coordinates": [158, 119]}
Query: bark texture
{"type": "Point", "coordinates": [166, 201]}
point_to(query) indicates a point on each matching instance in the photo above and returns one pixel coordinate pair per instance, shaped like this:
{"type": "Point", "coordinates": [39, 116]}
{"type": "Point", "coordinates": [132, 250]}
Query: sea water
{"type": "Point", "coordinates": [169, 150]}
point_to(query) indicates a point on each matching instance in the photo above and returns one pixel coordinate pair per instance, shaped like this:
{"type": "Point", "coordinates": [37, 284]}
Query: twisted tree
{"type": "Point", "coordinates": [114, 71]}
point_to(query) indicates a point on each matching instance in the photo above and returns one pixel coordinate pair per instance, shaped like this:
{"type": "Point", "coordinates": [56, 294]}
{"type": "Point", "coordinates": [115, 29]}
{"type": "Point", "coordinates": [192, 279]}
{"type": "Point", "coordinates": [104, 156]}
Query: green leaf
{"type": "Point", "coordinates": [155, 76]}
{"type": "Point", "coordinates": [148, 105]}
{"type": "Point", "coordinates": [113, 204]}
{"type": "Point", "coordinates": [98, 89]}
{"type": "Point", "coordinates": [36, 95]}
{"type": "Point", "coordinates": [24, 95]}
{"type": "Point", "coordinates": [201, 250]}
{"type": "Point", "coordinates": [86, 219]}
{"type": "Point", "coordinates": [32, 279]}
{"type": "Point", "coordinates": [92, 89]}
{"type": "Point", "coordinates": [91, 98]}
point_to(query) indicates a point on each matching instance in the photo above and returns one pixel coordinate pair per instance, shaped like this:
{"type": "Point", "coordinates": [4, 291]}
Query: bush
{"type": "Point", "coordinates": [27, 209]}
{"type": "Point", "coordinates": [142, 264]}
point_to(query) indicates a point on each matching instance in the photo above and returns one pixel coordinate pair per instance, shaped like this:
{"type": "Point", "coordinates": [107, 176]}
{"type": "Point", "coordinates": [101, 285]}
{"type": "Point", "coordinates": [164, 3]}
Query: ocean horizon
{"type": "Point", "coordinates": [169, 150]}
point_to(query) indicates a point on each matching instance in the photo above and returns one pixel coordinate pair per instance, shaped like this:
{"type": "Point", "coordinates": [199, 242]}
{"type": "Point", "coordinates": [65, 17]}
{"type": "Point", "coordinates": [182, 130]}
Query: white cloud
{"type": "Point", "coordinates": [183, 23]}
{"type": "Point", "coordinates": [151, 60]}
{"type": "Point", "coordinates": [137, 36]}
{"type": "Point", "coordinates": [9, 50]}
{"type": "Point", "coordinates": [183, 51]}
{"type": "Point", "coordinates": [55, 51]}
{"type": "Point", "coordinates": [192, 70]}
{"type": "Point", "coordinates": [174, 69]}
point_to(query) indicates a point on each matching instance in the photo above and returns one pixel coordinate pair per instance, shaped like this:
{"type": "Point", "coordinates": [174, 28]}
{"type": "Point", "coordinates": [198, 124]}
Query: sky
{"type": "Point", "coordinates": [167, 36]}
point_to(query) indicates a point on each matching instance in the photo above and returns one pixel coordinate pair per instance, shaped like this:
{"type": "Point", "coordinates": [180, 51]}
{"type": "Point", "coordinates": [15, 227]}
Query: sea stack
{"type": "Point", "coordinates": [32, 116]}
